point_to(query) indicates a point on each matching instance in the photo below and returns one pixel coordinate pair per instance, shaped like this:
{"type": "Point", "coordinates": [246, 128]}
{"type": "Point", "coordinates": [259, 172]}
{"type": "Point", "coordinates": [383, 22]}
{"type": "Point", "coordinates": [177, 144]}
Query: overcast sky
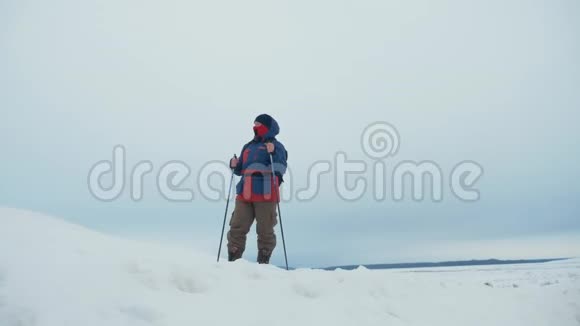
{"type": "Point", "coordinates": [495, 82]}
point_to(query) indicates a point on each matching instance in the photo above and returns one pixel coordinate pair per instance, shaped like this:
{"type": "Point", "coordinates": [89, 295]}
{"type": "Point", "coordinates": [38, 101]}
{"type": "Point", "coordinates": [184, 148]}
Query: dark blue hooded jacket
{"type": "Point", "coordinates": [256, 171]}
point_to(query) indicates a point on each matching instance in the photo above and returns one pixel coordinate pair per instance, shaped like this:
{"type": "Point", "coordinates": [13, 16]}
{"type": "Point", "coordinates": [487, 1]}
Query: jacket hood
{"type": "Point", "coordinates": [273, 131]}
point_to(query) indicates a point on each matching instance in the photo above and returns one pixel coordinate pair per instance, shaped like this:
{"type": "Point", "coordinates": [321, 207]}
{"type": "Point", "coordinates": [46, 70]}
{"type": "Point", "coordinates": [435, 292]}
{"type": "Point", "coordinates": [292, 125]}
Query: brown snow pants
{"type": "Point", "coordinates": [241, 222]}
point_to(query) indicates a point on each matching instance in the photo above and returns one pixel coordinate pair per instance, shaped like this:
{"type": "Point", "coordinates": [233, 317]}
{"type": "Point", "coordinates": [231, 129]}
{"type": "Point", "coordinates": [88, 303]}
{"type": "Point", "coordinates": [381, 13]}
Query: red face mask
{"type": "Point", "coordinates": [260, 130]}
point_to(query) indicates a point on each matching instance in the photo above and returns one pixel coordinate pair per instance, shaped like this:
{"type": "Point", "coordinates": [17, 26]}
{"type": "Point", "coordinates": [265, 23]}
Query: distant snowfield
{"type": "Point", "coordinates": [57, 274]}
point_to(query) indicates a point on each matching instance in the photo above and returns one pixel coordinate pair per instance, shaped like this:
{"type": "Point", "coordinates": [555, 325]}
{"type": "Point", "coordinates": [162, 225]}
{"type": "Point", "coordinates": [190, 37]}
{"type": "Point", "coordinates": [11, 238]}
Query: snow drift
{"type": "Point", "coordinates": [56, 274]}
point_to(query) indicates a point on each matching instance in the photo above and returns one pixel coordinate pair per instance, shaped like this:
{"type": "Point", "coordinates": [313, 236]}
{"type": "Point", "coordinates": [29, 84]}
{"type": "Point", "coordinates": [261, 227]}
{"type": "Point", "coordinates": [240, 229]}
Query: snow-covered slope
{"type": "Point", "coordinates": [56, 274]}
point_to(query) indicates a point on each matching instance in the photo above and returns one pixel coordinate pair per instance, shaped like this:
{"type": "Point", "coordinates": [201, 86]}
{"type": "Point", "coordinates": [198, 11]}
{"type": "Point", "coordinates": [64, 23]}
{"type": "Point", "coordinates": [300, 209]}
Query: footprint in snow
{"type": "Point", "coordinates": [188, 284]}
{"type": "Point", "coordinates": [142, 314]}
{"type": "Point", "coordinates": [305, 292]}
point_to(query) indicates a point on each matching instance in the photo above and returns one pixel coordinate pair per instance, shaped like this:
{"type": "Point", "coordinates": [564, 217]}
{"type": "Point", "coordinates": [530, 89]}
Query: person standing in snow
{"type": "Point", "coordinates": [257, 192]}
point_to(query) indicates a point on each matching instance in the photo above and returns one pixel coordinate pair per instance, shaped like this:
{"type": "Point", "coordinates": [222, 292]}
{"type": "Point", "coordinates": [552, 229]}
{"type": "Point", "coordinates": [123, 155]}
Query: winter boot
{"type": "Point", "coordinates": [264, 257]}
{"type": "Point", "coordinates": [234, 254]}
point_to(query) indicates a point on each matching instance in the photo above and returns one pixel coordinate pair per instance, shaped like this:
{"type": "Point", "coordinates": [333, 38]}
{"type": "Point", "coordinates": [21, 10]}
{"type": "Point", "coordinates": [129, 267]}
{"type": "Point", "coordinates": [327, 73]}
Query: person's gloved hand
{"type": "Point", "coordinates": [234, 161]}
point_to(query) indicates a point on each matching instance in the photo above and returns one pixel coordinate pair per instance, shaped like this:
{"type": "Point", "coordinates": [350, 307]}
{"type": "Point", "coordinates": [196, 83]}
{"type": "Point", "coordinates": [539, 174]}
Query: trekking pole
{"type": "Point", "coordinates": [226, 213]}
{"type": "Point", "coordinates": [275, 180]}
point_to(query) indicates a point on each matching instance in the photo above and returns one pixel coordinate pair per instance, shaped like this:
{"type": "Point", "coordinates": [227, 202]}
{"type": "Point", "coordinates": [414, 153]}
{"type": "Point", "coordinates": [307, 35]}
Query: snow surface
{"type": "Point", "coordinates": [56, 274]}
